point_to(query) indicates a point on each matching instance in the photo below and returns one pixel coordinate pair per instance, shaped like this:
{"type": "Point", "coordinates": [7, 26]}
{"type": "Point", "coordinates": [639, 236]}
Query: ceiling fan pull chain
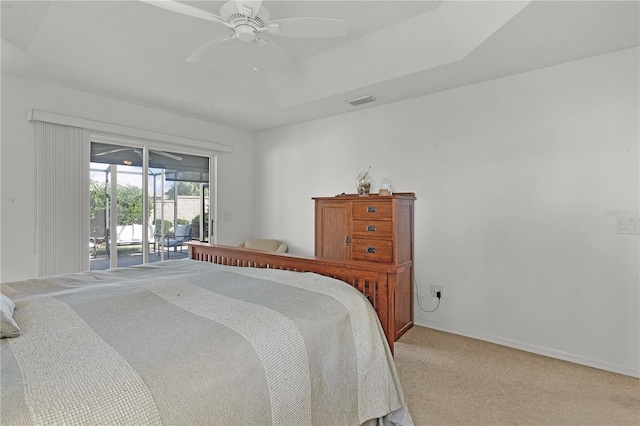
{"type": "Point", "coordinates": [255, 57]}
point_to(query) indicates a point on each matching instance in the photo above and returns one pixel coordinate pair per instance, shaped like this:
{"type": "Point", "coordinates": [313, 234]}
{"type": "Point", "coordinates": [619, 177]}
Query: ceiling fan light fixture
{"type": "Point", "coordinates": [362, 99]}
{"type": "Point", "coordinates": [245, 32]}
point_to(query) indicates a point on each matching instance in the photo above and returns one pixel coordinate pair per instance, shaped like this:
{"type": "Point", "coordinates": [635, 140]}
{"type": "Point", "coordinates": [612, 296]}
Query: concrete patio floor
{"type": "Point", "coordinates": [131, 258]}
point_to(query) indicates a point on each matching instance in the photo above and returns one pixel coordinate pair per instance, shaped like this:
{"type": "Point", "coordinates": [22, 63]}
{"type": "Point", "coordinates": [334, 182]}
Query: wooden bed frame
{"type": "Point", "coordinates": [377, 281]}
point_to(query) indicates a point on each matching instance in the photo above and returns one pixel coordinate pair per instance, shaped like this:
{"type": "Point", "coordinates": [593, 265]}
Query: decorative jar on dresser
{"type": "Point", "coordinates": [376, 229]}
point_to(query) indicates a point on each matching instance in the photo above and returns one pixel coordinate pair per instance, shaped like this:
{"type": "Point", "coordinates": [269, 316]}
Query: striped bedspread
{"type": "Point", "coordinates": [187, 342]}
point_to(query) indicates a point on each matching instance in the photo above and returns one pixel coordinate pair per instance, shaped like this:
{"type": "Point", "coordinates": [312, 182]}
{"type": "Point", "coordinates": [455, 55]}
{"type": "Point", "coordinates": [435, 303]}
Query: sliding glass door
{"type": "Point", "coordinates": [145, 204]}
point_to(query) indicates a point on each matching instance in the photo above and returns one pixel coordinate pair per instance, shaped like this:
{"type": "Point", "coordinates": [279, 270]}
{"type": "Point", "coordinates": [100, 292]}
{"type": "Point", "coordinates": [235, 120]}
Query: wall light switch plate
{"type": "Point", "coordinates": [627, 225]}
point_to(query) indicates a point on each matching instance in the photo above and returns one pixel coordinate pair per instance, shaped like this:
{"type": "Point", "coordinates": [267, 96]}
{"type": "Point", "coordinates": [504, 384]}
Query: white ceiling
{"type": "Point", "coordinates": [395, 50]}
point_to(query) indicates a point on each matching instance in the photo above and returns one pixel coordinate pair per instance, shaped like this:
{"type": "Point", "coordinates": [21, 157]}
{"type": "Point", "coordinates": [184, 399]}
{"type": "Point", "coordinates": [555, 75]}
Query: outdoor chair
{"type": "Point", "coordinates": [181, 236]}
{"type": "Point", "coordinates": [93, 250]}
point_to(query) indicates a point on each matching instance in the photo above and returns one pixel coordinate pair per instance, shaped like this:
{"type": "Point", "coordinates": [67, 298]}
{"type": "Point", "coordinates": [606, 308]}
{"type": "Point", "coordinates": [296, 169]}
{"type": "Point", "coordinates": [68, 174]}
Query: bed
{"type": "Point", "coordinates": [377, 281]}
{"type": "Point", "coordinates": [195, 342]}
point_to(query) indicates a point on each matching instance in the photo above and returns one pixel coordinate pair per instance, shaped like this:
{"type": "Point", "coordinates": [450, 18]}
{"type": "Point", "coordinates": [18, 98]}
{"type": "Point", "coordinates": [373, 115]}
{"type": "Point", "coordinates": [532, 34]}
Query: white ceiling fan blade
{"type": "Point", "coordinates": [245, 5]}
{"type": "Point", "coordinates": [111, 151]}
{"type": "Point", "coordinates": [184, 9]}
{"type": "Point", "coordinates": [271, 57]}
{"type": "Point", "coordinates": [211, 48]}
{"type": "Point", "coordinates": [166, 154]}
{"type": "Point", "coordinates": [242, 58]}
{"type": "Point", "coordinates": [308, 27]}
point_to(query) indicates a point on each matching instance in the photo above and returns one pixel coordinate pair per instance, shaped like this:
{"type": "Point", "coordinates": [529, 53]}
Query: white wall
{"type": "Point", "coordinates": [19, 95]}
{"type": "Point", "coordinates": [513, 178]}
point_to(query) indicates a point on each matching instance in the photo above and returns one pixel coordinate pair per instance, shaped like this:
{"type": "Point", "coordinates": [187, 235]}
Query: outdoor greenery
{"type": "Point", "coordinates": [184, 188]}
{"type": "Point", "coordinates": [195, 225]}
{"type": "Point", "coordinates": [129, 202]}
{"type": "Point", "coordinates": [167, 225]}
{"type": "Point", "coordinates": [196, 220]}
{"type": "Point", "coordinates": [129, 206]}
{"type": "Point", "coordinates": [98, 199]}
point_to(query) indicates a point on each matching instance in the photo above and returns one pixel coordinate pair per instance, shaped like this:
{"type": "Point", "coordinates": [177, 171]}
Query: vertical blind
{"type": "Point", "coordinates": [62, 198]}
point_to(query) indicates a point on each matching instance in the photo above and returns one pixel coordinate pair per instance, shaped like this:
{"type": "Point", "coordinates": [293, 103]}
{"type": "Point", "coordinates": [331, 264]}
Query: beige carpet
{"type": "Point", "coordinates": [453, 380]}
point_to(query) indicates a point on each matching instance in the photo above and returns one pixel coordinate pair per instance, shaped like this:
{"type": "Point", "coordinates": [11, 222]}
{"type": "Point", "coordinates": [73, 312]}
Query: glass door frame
{"type": "Point", "coordinates": [146, 147]}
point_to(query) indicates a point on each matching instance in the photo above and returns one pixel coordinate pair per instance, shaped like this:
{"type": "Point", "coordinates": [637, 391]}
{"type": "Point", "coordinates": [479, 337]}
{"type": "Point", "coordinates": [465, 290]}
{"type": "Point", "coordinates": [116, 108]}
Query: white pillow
{"type": "Point", "coordinates": [9, 327]}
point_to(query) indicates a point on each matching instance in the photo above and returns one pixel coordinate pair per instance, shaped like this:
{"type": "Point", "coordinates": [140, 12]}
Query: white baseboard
{"type": "Point", "coordinates": [534, 349]}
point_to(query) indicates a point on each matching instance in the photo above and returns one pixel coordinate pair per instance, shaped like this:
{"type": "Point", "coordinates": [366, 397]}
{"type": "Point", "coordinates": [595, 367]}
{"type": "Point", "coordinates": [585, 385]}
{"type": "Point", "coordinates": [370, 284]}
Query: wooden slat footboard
{"type": "Point", "coordinates": [376, 281]}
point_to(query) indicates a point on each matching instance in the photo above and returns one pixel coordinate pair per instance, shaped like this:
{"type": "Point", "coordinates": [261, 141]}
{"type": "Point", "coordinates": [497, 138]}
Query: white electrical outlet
{"type": "Point", "coordinates": [627, 225]}
{"type": "Point", "coordinates": [437, 288]}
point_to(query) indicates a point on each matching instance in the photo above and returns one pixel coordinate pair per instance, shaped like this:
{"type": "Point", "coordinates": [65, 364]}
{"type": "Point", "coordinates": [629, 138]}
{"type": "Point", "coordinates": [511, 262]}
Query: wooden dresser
{"type": "Point", "coordinates": [376, 229]}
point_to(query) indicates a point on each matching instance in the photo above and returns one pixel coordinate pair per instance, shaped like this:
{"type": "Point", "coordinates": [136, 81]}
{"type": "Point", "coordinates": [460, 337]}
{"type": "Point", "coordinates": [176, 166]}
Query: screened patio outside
{"type": "Point", "coordinates": [178, 197]}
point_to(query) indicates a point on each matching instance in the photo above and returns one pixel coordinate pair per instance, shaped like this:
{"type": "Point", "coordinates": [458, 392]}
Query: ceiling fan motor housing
{"type": "Point", "coordinates": [246, 26]}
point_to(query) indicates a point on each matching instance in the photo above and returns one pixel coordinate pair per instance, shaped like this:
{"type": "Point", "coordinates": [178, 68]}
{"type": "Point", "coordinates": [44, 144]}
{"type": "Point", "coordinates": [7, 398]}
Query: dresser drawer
{"type": "Point", "coordinates": [372, 228]}
{"type": "Point", "coordinates": [372, 250]}
{"type": "Point", "coordinates": [372, 209]}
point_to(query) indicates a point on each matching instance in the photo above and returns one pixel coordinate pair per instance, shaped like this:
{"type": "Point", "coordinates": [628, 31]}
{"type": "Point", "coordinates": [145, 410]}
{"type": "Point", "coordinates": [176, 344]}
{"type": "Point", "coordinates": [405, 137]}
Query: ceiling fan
{"type": "Point", "coordinates": [139, 152]}
{"type": "Point", "coordinates": [249, 22]}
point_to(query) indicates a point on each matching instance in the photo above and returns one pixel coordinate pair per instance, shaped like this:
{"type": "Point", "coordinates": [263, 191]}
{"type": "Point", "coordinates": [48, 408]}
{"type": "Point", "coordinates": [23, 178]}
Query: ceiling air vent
{"type": "Point", "coordinates": [362, 99]}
